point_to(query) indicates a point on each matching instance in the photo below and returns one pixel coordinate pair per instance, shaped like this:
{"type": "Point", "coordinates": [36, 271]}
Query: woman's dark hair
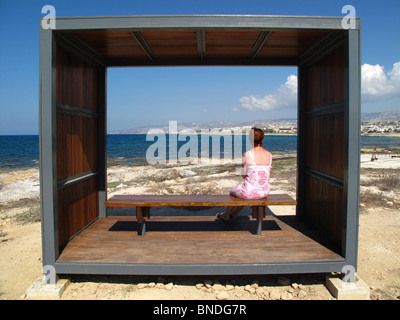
{"type": "Point", "coordinates": [258, 136]}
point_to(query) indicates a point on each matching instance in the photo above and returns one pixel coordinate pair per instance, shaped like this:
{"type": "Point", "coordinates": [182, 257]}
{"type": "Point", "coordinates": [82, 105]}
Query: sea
{"type": "Point", "coordinates": [21, 151]}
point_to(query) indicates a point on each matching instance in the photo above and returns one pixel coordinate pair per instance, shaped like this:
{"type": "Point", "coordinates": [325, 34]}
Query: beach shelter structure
{"type": "Point", "coordinates": [77, 234]}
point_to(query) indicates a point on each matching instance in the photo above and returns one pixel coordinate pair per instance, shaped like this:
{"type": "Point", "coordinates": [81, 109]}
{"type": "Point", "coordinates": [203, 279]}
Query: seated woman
{"type": "Point", "coordinates": [256, 169]}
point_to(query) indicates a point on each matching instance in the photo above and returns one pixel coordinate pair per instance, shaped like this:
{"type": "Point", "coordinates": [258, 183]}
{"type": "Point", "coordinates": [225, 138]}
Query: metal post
{"type": "Point", "coordinates": [141, 214]}
{"type": "Point", "coordinates": [142, 231]}
{"type": "Point", "coordinates": [47, 145]}
{"type": "Point", "coordinates": [352, 156]}
{"type": "Point", "coordinates": [102, 140]}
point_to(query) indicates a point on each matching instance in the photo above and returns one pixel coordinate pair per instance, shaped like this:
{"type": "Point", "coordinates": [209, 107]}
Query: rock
{"type": "Point", "coordinates": [266, 296]}
{"type": "Point", "coordinates": [208, 283]}
{"type": "Point", "coordinates": [199, 285]}
{"type": "Point", "coordinates": [187, 173]}
{"type": "Point", "coordinates": [151, 284]}
{"type": "Point", "coordinates": [222, 295]}
{"type": "Point", "coordinates": [260, 292]}
{"type": "Point", "coordinates": [275, 294]}
{"type": "Point", "coordinates": [142, 285]}
{"type": "Point", "coordinates": [160, 285]}
{"type": "Point", "coordinates": [254, 284]}
{"type": "Point", "coordinates": [250, 289]}
{"type": "Point", "coordinates": [283, 281]}
{"type": "Point", "coordinates": [169, 286]}
{"type": "Point", "coordinates": [286, 296]}
{"type": "Point", "coordinates": [218, 287]}
{"type": "Point", "coordinates": [302, 294]}
{"type": "Point", "coordinates": [229, 287]}
{"type": "Point", "coordinates": [295, 285]}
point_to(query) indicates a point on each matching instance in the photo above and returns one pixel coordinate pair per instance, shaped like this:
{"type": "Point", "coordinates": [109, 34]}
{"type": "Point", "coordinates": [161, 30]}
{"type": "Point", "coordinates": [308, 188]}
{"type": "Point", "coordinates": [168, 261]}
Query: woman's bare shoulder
{"type": "Point", "coordinates": [246, 154]}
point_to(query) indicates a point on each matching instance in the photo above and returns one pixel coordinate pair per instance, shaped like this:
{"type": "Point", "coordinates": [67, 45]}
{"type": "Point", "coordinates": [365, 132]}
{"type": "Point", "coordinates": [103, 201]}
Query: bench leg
{"type": "Point", "coordinates": [141, 214]}
{"type": "Point", "coordinates": [142, 230]}
{"type": "Point", "coordinates": [259, 213]}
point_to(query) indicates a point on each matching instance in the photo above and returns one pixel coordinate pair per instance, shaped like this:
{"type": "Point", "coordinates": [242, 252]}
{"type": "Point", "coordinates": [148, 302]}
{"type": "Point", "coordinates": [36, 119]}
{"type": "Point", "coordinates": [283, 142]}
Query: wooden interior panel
{"type": "Point", "coordinates": [77, 206]}
{"type": "Point", "coordinates": [183, 44]}
{"type": "Point", "coordinates": [287, 44]}
{"type": "Point", "coordinates": [324, 206]}
{"type": "Point", "coordinates": [230, 44]}
{"type": "Point", "coordinates": [325, 143]}
{"type": "Point", "coordinates": [326, 81]}
{"type": "Point", "coordinates": [77, 135]}
{"type": "Point", "coordinates": [76, 81]}
{"type": "Point", "coordinates": [114, 44]}
{"type": "Point", "coordinates": [157, 39]}
{"type": "Point", "coordinates": [171, 44]}
{"type": "Point", "coordinates": [76, 145]}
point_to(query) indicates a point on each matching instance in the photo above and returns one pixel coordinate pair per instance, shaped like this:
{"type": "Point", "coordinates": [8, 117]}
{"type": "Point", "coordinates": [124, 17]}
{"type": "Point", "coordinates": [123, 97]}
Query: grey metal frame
{"type": "Point", "coordinates": [352, 150]}
{"type": "Point", "coordinates": [47, 110]}
{"type": "Point", "coordinates": [47, 148]}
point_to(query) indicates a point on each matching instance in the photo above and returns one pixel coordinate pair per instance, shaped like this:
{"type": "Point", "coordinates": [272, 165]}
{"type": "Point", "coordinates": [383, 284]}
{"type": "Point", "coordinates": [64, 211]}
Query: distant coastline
{"type": "Point", "coordinates": [386, 123]}
{"type": "Point", "coordinates": [211, 134]}
{"type": "Point", "coordinates": [386, 134]}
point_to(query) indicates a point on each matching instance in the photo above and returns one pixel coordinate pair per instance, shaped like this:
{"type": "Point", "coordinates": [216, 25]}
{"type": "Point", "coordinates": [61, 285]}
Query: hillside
{"type": "Point", "coordinates": [371, 117]}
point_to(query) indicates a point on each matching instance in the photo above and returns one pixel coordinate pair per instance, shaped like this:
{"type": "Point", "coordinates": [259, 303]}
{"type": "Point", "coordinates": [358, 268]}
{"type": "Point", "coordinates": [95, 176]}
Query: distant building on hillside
{"type": "Point", "coordinates": [290, 130]}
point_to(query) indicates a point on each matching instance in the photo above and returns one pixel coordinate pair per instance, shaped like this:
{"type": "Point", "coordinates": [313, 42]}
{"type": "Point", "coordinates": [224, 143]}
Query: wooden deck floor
{"type": "Point", "coordinates": [197, 240]}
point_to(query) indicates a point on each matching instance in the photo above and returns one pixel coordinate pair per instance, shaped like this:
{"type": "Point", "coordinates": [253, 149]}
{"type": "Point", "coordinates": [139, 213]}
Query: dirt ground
{"type": "Point", "coordinates": [379, 238]}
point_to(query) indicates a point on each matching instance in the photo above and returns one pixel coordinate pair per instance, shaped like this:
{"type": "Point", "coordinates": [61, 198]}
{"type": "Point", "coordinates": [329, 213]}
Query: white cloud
{"type": "Point", "coordinates": [284, 96]}
{"type": "Point", "coordinates": [375, 84]}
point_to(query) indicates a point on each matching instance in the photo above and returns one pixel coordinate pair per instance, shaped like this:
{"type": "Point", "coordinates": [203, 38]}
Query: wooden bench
{"type": "Point", "coordinates": [143, 203]}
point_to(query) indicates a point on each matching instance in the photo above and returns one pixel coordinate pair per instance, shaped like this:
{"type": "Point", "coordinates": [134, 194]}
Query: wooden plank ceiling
{"type": "Point", "coordinates": [200, 47]}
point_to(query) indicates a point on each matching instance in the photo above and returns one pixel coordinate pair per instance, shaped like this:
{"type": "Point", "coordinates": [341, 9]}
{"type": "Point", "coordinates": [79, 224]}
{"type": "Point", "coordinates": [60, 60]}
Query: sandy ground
{"type": "Point", "coordinates": [379, 236]}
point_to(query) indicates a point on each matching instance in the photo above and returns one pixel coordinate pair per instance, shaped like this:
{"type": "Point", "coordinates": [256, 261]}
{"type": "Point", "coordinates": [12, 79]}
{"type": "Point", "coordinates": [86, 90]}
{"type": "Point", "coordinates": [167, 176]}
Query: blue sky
{"type": "Point", "coordinates": [192, 94]}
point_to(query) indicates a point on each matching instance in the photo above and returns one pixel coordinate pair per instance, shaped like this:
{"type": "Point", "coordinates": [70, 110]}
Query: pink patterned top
{"type": "Point", "coordinates": [256, 184]}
